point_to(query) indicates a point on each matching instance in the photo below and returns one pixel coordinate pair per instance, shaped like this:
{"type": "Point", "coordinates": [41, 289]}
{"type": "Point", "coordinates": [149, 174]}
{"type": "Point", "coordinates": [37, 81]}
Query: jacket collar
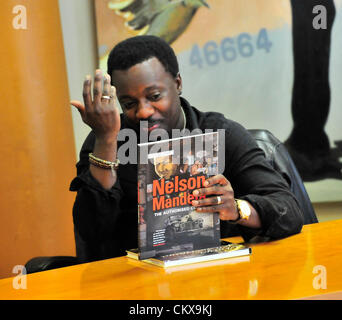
{"type": "Point", "coordinates": [192, 115]}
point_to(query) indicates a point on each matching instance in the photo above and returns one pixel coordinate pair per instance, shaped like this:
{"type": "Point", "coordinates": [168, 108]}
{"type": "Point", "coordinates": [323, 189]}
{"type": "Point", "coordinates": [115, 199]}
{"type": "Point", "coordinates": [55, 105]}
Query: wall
{"type": "Point", "coordinates": [37, 137]}
{"type": "Point", "coordinates": [263, 104]}
{"type": "Point", "coordinates": [79, 37]}
{"type": "Point", "coordinates": [237, 58]}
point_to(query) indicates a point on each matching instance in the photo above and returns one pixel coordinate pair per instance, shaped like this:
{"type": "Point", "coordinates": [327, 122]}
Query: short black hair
{"type": "Point", "coordinates": [132, 51]}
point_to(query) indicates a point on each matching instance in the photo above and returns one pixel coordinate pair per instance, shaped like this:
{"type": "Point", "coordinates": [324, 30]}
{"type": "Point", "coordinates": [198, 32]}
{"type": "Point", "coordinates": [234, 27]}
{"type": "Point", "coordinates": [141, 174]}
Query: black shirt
{"type": "Point", "coordinates": [105, 222]}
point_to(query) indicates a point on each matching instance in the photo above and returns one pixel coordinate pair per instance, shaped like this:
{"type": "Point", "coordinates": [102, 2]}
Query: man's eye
{"type": "Point", "coordinates": [155, 96]}
{"type": "Point", "coordinates": [128, 105]}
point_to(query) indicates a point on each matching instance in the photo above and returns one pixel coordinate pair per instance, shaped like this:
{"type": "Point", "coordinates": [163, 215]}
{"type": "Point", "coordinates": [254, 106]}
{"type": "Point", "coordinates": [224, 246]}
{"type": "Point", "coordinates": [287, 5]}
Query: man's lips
{"type": "Point", "coordinates": [149, 126]}
{"type": "Point", "coordinates": [155, 126]}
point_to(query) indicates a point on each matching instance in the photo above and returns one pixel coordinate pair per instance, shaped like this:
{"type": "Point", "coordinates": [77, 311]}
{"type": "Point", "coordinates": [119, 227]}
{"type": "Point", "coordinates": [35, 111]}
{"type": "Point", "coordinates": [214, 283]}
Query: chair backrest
{"type": "Point", "coordinates": [277, 155]}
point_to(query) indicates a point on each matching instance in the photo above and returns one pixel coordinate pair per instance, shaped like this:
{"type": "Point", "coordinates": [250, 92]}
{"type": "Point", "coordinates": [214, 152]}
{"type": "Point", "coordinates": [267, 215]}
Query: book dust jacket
{"type": "Point", "coordinates": [168, 172]}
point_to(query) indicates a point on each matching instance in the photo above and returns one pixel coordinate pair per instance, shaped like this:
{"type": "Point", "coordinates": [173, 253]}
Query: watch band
{"type": "Point", "coordinates": [239, 212]}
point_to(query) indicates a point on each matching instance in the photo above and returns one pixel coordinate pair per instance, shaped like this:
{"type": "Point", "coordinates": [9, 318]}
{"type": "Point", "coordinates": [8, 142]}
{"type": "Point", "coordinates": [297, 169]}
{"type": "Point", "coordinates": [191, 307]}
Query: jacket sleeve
{"type": "Point", "coordinates": [95, 211]}
{"type": "Point", "coordinates": [254, 180]}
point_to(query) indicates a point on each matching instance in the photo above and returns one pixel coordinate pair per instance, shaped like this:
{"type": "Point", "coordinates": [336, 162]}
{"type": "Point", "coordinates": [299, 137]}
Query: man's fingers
{"type": "Point", "coordinates": [209, 201]}
{"type": "Point", "coordinates": [87, 93]}
{"type": "Point", "coordinates": [214, 208]}
{"type": "Point", "coordinates": [79, 106]}
{"type": "Point", "coordinates": [217, 189]}
{"type": "Point", "coordinates": [218, 179]}
{"type": "Point", "coordinates": [113, 95]}
{"type": "Point", "coordinates": [97, 90]}
{"type": "Point", "coordinates": [113, 92]}
{"type": "Point", "coordinates": [106, 86]}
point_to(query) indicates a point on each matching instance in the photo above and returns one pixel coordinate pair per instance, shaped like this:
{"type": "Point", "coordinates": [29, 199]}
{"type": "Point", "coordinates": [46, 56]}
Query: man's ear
{"type": "Point", "coordinates": [179, 85]}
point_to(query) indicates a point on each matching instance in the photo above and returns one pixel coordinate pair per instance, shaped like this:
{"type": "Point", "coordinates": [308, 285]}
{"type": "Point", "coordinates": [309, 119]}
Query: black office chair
{"type": "Point", "coordinates": [277, 156]}
{"type": "Point", "coordinates": [38, 264]}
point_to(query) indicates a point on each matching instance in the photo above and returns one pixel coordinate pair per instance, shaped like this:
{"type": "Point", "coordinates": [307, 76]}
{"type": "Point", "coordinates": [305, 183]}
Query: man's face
{"type": "Point", "coordinates": [147, 92]}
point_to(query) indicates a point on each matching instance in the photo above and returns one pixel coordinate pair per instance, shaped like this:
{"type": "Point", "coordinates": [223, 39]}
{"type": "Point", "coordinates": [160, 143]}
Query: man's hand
{"type": "Point", "coordinates": [217, 185]}
{"type": "Point", "coordinates": [99, 113]}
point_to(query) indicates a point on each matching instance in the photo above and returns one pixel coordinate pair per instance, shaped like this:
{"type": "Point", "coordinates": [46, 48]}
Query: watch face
{"type": "Point", "coordinates": [244, 209]}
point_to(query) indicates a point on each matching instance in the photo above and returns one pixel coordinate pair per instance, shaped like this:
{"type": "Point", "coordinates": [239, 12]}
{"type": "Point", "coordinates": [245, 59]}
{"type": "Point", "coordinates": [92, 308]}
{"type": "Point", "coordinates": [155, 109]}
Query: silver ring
{"type": "Point", "coordinates": [106, 97]}
{"type": "Point", "coordinates": [219, 200]}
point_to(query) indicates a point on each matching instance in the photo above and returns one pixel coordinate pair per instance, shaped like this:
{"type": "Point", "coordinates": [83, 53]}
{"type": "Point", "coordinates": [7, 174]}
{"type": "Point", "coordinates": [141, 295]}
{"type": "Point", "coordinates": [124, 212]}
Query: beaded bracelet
{"type": "Point", "coordinates": [104, 164]}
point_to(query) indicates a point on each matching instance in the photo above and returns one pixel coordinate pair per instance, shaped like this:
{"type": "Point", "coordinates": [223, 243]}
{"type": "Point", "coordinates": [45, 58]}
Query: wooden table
{"type": "Point", "coordinates": [308, 264]}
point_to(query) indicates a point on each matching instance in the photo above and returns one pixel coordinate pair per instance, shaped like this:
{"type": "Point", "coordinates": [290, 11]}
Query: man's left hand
{"type": "Point", "coordinates": [219, 197]}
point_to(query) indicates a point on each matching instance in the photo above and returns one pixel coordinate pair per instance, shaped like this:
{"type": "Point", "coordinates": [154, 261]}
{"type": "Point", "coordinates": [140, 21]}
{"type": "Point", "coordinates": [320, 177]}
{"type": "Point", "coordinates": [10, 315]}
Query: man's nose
{"type": "Point", "coordinates": [145, 110]}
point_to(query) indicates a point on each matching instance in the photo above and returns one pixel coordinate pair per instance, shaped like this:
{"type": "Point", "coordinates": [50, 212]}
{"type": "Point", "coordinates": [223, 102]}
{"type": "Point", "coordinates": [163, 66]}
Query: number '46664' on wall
{"type": "Point", "coordinates": [229, 49]}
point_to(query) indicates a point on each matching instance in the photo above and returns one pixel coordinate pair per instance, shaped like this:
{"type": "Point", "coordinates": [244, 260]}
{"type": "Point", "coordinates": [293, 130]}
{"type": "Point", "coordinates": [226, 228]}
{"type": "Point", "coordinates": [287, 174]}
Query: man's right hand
{"type": "Point", "coordinates": [99, 113]}
{"type": "Point", "coordinates": [103, 117]}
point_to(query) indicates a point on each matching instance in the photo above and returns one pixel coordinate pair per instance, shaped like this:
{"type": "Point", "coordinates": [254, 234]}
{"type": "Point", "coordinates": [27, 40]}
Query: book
{"type": "Point", "coordinates": [229, 250]}
{"type": "Point", "coordinates": [168, 172]}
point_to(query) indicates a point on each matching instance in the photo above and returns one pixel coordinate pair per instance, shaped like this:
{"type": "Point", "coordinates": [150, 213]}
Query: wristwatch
{"type": "Point", "coordinates": [243, 209]}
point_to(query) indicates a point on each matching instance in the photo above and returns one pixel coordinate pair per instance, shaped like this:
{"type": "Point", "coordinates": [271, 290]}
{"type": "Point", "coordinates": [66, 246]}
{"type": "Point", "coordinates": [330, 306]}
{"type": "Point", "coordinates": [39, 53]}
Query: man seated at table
{"type": "Point", "coordinates": [143, 74]}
